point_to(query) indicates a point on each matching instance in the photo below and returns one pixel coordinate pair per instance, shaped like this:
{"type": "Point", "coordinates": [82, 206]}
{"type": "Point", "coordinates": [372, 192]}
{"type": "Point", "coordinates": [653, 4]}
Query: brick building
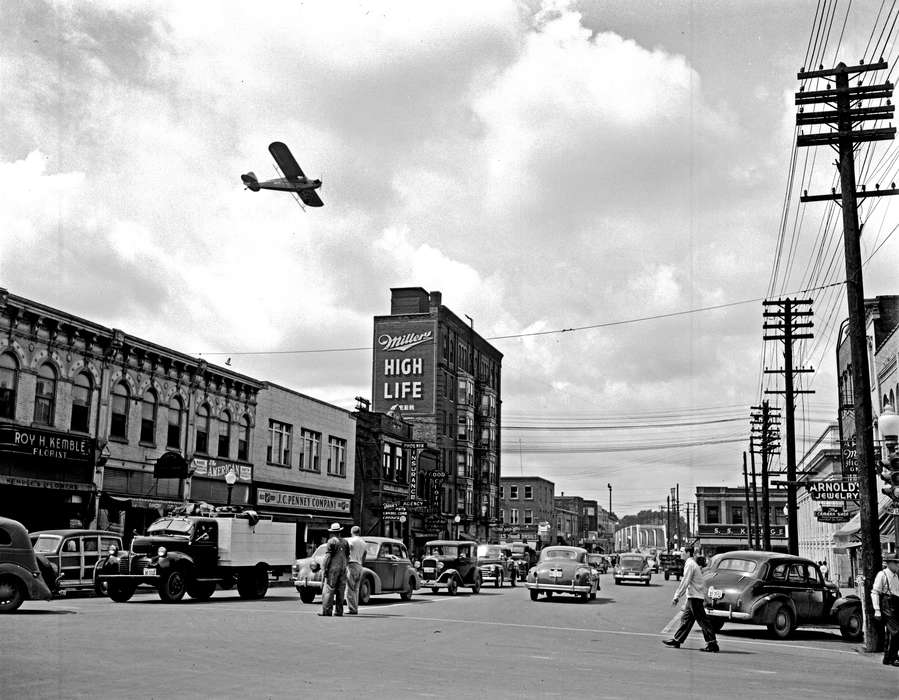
{"type": "Point", "coordinates": [723, 521]}
{"type": "Point", "coordinates": [444, 378]}
{"type": "Point", "coordinates": [527, 509]}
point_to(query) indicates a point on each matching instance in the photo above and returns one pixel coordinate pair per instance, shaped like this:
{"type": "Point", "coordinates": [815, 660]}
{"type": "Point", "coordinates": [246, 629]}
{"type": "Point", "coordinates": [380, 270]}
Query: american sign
{"type": "Point", "coordinates": [216, 468]}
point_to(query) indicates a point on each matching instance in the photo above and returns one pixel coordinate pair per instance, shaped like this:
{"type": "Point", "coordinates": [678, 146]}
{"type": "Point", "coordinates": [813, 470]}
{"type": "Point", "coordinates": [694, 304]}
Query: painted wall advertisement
{"type": "Point", "coordinates": [404, 358]}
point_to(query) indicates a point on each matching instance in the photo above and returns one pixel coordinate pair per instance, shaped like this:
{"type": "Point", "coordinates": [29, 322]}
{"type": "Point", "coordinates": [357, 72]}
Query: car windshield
{"type": "Point", "coordinates": [632, 561]}
{"type": "Point", "coordinates": [173, 526]}
{"type": "Point", "coordinates": [486, 551]}
{"type": "Point", "coordinates": [47, 544]}
{"type": "Point", "coordinates": [321, 551]}
{"type": "Point", "coordinates": [445, 550]}
{"type": "Point", "coordinates": [559, 554]}
{"type": "Point", "coordinates": [746, 566]}
{"type": "Point", "coordinates": [371, 549]}
{"type": "Point", "coordinates": [593, 559]}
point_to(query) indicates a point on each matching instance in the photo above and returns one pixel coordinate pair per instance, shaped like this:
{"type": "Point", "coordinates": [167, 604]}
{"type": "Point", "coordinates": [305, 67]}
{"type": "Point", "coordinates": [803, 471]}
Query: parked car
{"type": "Point", "coordinates": [524, 557]}
{"type": "Point", "coordinates": [76, 554]}
{"type": "Point", "coordinates": [563, 570]}
{"type": "Point", "coordinates": [21, 576]}
{"type": "Point", "coordinates": [779, 591]}
{"type": "Point", "coordinates": [387, 569]}
{"type": "Point", "coordinates": [599, 562]}
{"type": "Point", "coordinates": [497, 565]}
{"type": "Point", "coordinates": [450, 564]}
{"type": "Point", "coordinates": [633, 566]}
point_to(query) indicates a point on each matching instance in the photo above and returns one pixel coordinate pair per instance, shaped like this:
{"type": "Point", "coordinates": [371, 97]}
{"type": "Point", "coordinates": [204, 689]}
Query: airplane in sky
{"type": "Point", "coordinates": [294, 181]}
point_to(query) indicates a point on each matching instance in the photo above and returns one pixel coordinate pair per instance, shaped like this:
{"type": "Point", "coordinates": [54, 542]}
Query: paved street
{"type": "Point", "coordinates": [497, 644]}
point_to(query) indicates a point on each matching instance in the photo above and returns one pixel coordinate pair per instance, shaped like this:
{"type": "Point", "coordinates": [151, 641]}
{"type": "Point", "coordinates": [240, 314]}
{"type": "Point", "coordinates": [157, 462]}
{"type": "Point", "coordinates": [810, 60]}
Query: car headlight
{"type": "Point", "coordinates": [161, 552]}
{"type": "Point", "coordinates": [440, 565]}
{"type": "Point", "coordinates": [113, 550]}
{"type": "Point", "coordinates": [315, 566]}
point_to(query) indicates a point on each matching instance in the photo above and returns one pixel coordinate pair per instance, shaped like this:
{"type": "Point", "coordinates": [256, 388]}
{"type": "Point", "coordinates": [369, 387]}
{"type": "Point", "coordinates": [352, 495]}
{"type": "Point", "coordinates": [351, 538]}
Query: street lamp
{"type": "Point", "coordinates": [457, 520]}
{"type": "Point", "coordinates": [230, 479]}
{"type": "Point", "coordinates": [610, 498]}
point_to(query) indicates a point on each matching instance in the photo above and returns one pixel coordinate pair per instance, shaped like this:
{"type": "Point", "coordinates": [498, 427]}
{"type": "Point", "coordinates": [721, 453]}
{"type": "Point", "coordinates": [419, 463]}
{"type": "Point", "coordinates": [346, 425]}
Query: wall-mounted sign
{"type": "Point", "coordinates": [832, 490]}
{"type": "Point", "coordinates": [834, 516]}
{"type": "Point", "coordinates": [46, 444]}
{"type": "Point", "coordinates": [302, 501]}
{"type": "Point", "coordinates": [217, 468]}
{"type": "Point", "coordinates": [44, 483]}
{"type": "Point", "coordinates": [849, 456]}
{"type": "Point", "coordinates": [403, 373]}
{"type": "Point", "coordinates": [738, 530]}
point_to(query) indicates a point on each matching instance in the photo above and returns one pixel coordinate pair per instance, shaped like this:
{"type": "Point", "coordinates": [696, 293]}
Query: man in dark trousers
{"type": "Point", "coordinates": [694, 585]}
{"type": "Point", "coordinates": [334, 572]}
{"type": "Point", "coordinates": [885, 597]}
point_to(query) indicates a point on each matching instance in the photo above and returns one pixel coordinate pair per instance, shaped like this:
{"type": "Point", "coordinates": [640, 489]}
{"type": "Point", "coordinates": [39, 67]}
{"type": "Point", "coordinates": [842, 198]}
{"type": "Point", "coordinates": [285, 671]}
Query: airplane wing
{"type": "Point", "coordinates": [310, 198]}
{"type": "Point", "coordinates": [282, 155]}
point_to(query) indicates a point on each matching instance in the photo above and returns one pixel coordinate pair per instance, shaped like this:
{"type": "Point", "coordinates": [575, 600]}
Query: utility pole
{"type": "Point", "coordinates": [680, 544]}
{"type": "Point", "coordinates": [668, 524]}
{"type": "Point", "coordinates": [748, 509]}
{"type": "Point", "coordinates": [784, 328]}
{"type": "Point", "coordinates": [755, 496]}
{"type": "Point", "coordinates": [849, 112]}
{"type": "Point", "coordinates": [764, 425]}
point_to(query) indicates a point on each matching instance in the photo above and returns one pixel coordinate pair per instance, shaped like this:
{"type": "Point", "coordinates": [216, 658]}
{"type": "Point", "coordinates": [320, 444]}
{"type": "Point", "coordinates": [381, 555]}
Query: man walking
{"type": "Point", "coordinates": [354, 569]}
{"type": "Point", "coordinates": [334, 572]}
{"type": "Point", "coordinates": [885, 597]}
{"type": "Point", "coordinates": [694, 585]}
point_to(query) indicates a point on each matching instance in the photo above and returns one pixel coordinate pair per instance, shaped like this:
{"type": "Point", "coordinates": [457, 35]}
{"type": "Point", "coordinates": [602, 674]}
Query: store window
{"type": "Point", "coordinates": [81, 404]}
{"type": "Point", "coordinates": [278, 443]}
{"type": "Point", "coordinates": [148, 418]}
{"type": "Point", "coordinates": [118, 423]}
{"type": "Point", "coordinates": [712, 514]}
{"type": "Point", "coordinates": [736, 515]}
{"type": "Point", "coordinates": [176, 416]}
{"type": "Point", "coordinates": [45, 395]}
{"type": "Point", "coordinates": [201, 444]}
{"type": "Point", "coordinates": [529, 517]}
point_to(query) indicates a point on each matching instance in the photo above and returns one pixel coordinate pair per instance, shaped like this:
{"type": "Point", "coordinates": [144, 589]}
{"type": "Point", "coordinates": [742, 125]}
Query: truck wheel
{"type": "Point", "coordinates": [851, 627]}
{"type": "Point", "coordinates": [120, 592]}
{"type": "Point", "coordinates": [173, 586]}
{"type": "Point", "coordinates": [534, 594]}
{"type": "Point", "coordinates": [453, 587]}
{"type": "Point", "coordinates": [201, 590]}
{"type": "Point", "coordinates": [252, 583]}
{"type": "Point", "coordinates": [11, 594]}
{"type": "Point", "coordinates": [667, 575]}
{"type": "Point", "coordinates": [784, 623]}
{"type": "Point", "coordinates": [307, 595]}
{"type": "Point", "coordinates": [365, 591]}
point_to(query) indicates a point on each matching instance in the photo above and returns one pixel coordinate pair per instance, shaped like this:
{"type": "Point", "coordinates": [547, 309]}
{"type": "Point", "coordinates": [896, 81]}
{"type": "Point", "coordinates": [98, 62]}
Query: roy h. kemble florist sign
{"type": "Point", "coordinates": [48, 445]}
{"type": "Point", "coordinates": [403, 373]}
{"type": "Point", "coordinates": [302, 501]}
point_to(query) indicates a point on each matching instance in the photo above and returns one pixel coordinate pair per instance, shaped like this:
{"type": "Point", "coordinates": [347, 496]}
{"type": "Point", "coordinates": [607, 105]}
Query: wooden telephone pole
{"type": "Point", "coordinates": [844, 136]}
{"type": "Point", "coordinates": [784, 327]}
{"type": "Point", "coordinates": [764, 427]}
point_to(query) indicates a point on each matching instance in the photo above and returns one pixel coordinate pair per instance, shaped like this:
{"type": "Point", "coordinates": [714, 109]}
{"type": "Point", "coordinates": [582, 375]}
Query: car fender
{"type": "Point", "coordinates": [763, 609]}
{"type": "Point", "coordinates": [374, 580]}
{"type": "Point", "coordinates": [35, 587]}
{"type": "Point", "coordinates": [447, 574]}
{"type": "Point", "coordinates": [183, 561]}
{"type": "Point", "coordinates": [844, 603]}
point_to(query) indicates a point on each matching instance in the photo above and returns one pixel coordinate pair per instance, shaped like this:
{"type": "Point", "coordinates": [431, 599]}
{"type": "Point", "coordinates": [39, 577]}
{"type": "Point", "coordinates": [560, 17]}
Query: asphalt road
{"type": "Point", "coordinates": [496, 644]}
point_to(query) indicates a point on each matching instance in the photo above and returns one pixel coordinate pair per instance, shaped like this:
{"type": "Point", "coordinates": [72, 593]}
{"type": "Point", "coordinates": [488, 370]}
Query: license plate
{"type": "Point", "coordinates": [555, 574]}
{"type": "Point", "coordinates": [715, 594]}
{"type": "Point", "coordinates": [428, 569]}
{"type": "Point", "coordinates": [149, 571]}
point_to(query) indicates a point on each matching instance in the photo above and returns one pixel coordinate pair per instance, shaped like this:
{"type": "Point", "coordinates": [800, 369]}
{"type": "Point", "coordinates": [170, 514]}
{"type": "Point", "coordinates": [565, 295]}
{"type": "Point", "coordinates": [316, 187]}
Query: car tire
{"type": "Point", "coordinates": [453, 587]}
{"type": "Point", "coordinates": [583, 597]}
{"type": "Point", "coordinates": [534, 595]}
{"type": "Point", "coordinates": [12, 594]}
{"type": "Point", "coordinates": [476, 586]}
{"type": "Point", "coordinates": [365, 591]}
{"type": "Point", "coordinates": [100, 587]}
{"type": "Point", "coordinates": [667, 576]}
{"type": "Point", "coordinates": [120, 592]}
{"type": "Point", "coordinates": [617, 581]}
{"type": "Point", "coordinates": [172, 586]}
{"type": "Point", "coordinates": [549, 594]}
{"type": "Point", "coordinates": [434, 590]}
{"type": "Point", "coordinates": [407, 594]}
{"type": "Point", "coordinates": [646, 582]}
{"type": "Point", "coordinates": [784, 623]}
{"type": "Point", "coordinates": [851, 624]}
{"type": "Point", "coordinates": [201, 590]}
{"type": "Point", "coordinates": [498, 581]}
{"type": "Point", "coordinates": [252, 583]}
{"type": "Point", "coordinates": [307, 595]}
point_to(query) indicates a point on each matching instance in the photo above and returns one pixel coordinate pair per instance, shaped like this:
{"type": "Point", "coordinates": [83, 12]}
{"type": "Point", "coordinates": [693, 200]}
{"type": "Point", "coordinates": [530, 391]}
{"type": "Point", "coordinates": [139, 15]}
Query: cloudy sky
{"type": "Point", "coordinates": [545, 165]}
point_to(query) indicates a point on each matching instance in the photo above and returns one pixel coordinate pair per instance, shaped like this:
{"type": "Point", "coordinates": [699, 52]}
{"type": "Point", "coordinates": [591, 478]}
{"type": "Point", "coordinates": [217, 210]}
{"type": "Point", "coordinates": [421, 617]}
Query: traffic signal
{"type": "Point", "coordinates": [890, 474]}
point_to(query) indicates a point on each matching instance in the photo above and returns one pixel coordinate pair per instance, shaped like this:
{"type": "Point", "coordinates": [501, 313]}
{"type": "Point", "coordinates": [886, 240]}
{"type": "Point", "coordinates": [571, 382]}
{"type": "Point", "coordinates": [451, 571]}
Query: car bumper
{"type": "Point", "coordinates": [728, 614]}
{"type": "Point", "coordinates": [129, 578]}
{"type": "Point", "coordinates": [301, 583]}
{"type": "Point", "coordinates": [559, 587]}
{"type": "Point", "coordinates": [633, 577]}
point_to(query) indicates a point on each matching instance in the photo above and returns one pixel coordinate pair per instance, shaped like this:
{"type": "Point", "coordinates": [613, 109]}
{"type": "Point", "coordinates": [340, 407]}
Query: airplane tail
{"type": "Point", "coordinates": [250, 181]}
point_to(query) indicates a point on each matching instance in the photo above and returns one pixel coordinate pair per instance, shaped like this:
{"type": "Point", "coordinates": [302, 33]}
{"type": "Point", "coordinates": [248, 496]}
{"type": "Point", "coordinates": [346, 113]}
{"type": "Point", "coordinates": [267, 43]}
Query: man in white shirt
{"type": "Point", "coordinates": [885, 597]}
{"type": "Point", "coordinates": [354, 569]}
{"type": "Point", "coordinates": [694, 585]}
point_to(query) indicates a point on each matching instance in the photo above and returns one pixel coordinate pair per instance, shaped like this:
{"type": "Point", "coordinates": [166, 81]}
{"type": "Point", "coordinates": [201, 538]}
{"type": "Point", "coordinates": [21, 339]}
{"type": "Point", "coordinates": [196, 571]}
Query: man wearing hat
{"type": "Point", "coordinates": [334, 572]}
{"type": "Point", "coordinates": [885, 597]}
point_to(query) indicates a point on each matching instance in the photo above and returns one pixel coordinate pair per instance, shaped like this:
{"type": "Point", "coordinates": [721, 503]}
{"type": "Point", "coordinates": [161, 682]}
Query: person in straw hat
{"type": "Point", "coordinates": [885, 597]}
{"type": "Point", "coordinates": [334, 572]}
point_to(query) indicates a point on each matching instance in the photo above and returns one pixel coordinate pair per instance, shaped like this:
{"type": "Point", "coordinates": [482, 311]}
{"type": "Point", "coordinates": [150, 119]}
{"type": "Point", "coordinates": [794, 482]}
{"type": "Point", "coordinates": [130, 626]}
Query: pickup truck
{"type": "Point", "coordinates": [193, 554]}
{"type": "Point", "coordinates": [671, 565]}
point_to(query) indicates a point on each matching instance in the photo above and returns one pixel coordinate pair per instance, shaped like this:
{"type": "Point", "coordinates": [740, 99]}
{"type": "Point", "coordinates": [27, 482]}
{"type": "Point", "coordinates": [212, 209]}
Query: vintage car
{"type": "Point", "coordinates": [633, 566]}
{"type": "Point", "coordinates": [524, 557]}
{"type": "Point", "coordinates": [387, 569]}
{"type": "Point", "coordinates": [599, 562]}
{"type": "Point", "coordinates": [22, 577]}
{"type": "Point", "coordinates": [563, 570]}
{"type": "Point", "coordinates": [76, 554]}
{"type": "Point", "coordinates": [450, 564]}
{"type": "Point", "coordinates": [497, 565]}
{"type": "Point", "coordinates": [780, 591]}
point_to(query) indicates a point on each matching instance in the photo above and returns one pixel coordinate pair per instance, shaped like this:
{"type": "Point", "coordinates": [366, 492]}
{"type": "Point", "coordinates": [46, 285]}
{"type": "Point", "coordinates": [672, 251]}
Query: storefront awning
{"type": "Point", "coordinates": [885, 521]}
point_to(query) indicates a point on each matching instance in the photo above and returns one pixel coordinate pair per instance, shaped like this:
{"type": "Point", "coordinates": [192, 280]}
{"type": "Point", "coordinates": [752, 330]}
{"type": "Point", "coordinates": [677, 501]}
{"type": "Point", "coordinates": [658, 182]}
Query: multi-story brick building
{"type": "Point", "coordinates": [723, 521]}
{"type": "Point", "coordinates": [444, 378]}
{"type": "Point", "coordinates": [578, 506]}
{"type": "Point", "coordinates": [527, 509]}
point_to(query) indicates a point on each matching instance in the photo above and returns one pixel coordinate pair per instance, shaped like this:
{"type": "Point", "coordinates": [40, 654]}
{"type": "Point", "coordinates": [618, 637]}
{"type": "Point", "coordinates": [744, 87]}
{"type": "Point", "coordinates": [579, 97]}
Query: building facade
{"type": "Point", "coordinates": [723, 519]}
{"type": "Point", "coordinates": [576, 534]}
{"type": "Point", "coordinates": [445, 379]}
{"type": "Point", "coordinates": [527, 510]}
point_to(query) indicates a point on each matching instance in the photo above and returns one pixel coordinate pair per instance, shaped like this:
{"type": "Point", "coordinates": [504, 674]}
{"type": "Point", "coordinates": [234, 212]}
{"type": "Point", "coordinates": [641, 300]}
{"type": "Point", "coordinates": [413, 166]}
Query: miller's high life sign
{"type": "Point", "coordinates": [404, 361]}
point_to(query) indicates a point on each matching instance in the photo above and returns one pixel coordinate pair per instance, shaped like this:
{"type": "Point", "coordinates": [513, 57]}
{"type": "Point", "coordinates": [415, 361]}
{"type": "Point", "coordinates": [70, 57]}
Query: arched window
{"type": "Point", "coordinates": [118, 423]}
{"type": "Point", "coordinates": [225, 435]}
{"type": "Point", "coordinates": [892, 401]}
{"type": "Point", "coordinates": [45, 395]}
{"type": "Point", "coordinates": [148, 418]}
{"type": "Point", "coordinates": [81, 404]}
{"type": "Point", "coordinates": [201, 444]}
{"type": "Point", "coordinates": [243, 439]}
{"type": "Point", "coordinates": [9, 379]}
{"type": "Point", "coordinates": [176, 413]}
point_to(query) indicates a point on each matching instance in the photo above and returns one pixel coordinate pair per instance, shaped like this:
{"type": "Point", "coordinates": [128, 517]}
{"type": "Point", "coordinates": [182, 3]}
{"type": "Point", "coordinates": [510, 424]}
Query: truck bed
{"type": "Point", "coordinates": [241, 544]}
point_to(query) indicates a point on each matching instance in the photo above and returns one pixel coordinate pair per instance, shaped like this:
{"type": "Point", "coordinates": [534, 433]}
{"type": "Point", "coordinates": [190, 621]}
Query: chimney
{"type": "Point", "coordinates": [436, 299]}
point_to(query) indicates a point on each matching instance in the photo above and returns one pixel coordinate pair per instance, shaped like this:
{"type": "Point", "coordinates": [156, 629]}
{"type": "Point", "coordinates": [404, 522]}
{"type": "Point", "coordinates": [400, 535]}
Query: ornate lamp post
{"type": "Point", "coordinates": [230, 479]}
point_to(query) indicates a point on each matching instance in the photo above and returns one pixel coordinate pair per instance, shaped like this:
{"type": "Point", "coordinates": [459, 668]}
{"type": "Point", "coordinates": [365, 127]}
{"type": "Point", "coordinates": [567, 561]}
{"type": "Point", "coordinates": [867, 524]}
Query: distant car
{"type": "Point", "coordinates": [779, 591]}
{"type": "Point", "coordinates": [599, 562]}
{"type": "Point", "coordinates": [633, 566]}
{"type": "Point", "coordinates": [563, 570]}
{"type": "Point", "coordinates": [524, 557]}
{"type": "Point", "coordinates": [21, 576]}
{"type": "Point", "coordinates": [496, 564]}
{"type": "Point", "coordinates": [76, 554]}
{"type": "Point", "coordinates": [450, 564]}
{"type": "Point", "coordinates": [387, 569]}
